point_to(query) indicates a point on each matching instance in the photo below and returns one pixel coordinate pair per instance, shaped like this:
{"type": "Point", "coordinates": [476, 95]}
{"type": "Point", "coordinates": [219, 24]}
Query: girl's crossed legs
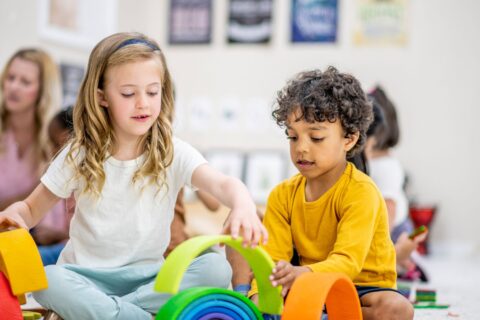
{"type": "Point", "coordinates": [76, 292]}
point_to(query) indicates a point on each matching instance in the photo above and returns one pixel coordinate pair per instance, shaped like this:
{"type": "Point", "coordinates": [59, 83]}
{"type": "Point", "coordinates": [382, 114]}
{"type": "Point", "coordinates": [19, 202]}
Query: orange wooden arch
{"type": "Point", "coordinates": [311, 291]}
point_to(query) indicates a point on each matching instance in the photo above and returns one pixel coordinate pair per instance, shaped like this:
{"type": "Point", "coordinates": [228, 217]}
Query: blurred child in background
{"type": "Point", "coordinates": [51, 233]}
{"type": "Point", "coordinates": [388, 174]}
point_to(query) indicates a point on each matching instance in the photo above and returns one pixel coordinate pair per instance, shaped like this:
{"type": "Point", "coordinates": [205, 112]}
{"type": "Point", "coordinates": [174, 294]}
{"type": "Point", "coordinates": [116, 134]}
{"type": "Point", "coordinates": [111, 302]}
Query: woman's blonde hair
{"type": "Point", "coordinates": [48, 100]}
{"type": "Point", "coordinates": [93, 130]}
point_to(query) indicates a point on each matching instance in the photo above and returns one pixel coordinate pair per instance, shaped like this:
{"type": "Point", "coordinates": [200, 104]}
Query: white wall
{"type": "Point", "coordinates": [433, 81]}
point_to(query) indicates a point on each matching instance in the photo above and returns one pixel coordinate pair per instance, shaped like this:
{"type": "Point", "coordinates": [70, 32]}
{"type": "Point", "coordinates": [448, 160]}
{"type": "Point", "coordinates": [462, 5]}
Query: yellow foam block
{"type": "Point", "coordinates": [21, 263]}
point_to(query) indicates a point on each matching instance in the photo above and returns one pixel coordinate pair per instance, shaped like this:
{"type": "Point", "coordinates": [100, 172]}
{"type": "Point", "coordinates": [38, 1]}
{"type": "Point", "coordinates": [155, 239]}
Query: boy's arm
{"type": "Point", "coordinates": [355, 231]}
{"type": "Point", "coordinates": [280, 242]}
{"type": "Point", "coordinates": [232, 193]}
{"type": "Point", "coordinates": [29, 212]}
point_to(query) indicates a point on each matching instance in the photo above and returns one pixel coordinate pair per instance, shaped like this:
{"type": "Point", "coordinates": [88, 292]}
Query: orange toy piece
{"type": "Point", "coordinates": [311, 291]}
{"type": "Point", "coordinates": [21, 263]}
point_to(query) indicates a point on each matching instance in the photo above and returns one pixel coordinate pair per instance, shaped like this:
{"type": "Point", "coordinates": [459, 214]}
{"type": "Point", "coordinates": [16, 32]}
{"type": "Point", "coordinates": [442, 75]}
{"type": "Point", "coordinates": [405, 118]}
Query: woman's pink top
{"type": "Point", "coordinates": [18, 175]}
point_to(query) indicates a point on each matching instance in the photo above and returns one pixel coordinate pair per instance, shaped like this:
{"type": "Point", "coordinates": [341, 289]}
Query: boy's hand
{"type": "Point", "coordinates": [254, 299]}
{"type": "Point", "coordinates": [284, 274]}
{"type": "Point", "coordinates": [245, 223]}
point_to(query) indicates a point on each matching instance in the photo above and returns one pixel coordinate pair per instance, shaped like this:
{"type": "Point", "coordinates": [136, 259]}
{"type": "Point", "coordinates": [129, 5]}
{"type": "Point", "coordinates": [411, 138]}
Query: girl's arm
{"type": "Point", "coordinates": [208, 200]}
{"type": "Point", "coordinates": [8, 201]}
{"type": "Point", "coordinates": [233, 194]}
{"type": "Point", "coordinates": [29, 212]}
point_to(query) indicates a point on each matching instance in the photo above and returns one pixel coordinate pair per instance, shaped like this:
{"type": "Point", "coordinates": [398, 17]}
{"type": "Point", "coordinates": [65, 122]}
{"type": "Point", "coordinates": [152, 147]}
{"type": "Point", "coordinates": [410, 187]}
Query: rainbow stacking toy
{"type": "Point", "coordinates": [306, 299]}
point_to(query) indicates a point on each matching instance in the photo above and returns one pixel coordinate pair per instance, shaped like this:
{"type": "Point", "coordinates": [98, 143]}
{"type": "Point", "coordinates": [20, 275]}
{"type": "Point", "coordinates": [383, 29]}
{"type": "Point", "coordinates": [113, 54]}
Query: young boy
{"type": "Point", "coordinates": [331, 213]}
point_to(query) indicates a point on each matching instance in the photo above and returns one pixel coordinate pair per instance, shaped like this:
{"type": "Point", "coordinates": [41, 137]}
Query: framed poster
{"type": "Point", "coordinates": [314, 20]}
{"type": "Point", "coordinates": [78, 23]}
{"type": "Point", "coordinates": [250, 21]}
{"type": "Point", "coordinates": [381, 22]}
{"type": "Point", "coordinates": [264, 170]}
{"type": "Point", "coordinates": [190, 22]}
{"type": "Point", "coordinates": [72, 76]}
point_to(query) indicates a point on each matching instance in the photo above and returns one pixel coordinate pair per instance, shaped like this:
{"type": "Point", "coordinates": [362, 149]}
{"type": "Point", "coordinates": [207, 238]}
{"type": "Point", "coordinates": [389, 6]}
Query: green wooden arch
{"type": "Point", "coordinates": [171, 273]}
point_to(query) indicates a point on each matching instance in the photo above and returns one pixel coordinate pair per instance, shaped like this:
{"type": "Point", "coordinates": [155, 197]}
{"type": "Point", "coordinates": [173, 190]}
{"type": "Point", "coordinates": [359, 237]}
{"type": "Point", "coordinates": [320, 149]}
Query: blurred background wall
{"type": "Point", "coordinates": [433, 81]}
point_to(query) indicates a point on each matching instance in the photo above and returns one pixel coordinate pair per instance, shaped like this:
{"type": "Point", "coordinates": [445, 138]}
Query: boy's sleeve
{"type": "Point", "coordinates": [358, 218]}
{"type": "Point", "coordinates": [277, 223]}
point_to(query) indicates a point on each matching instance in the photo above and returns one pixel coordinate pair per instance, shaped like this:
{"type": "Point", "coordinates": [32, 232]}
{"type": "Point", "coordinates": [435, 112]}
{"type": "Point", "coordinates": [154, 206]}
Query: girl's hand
{"type": "Point", "coordinates": [245, 222]}
{"type": "Point", "coordinates": [7, 223]}
{"type": "Point", "coordinates": [284, 274]}
{"type": "Point", "coordinates": [243, 219]}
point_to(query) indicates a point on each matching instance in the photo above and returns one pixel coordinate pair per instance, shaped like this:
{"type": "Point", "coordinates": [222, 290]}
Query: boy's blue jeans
{"type": "Point", "coordinates": [124, 293]}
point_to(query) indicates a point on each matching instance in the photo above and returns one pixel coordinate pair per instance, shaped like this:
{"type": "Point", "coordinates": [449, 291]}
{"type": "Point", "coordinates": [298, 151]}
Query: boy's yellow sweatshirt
{"type": "Point", "coordinates": [345, 230]}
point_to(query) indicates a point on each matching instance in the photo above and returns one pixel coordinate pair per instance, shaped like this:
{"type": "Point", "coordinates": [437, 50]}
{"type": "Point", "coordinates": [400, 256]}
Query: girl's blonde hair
{"type": "Point", "coordinates": [93, 130]}
{"type": "Point", "coordinates": [48, 100]}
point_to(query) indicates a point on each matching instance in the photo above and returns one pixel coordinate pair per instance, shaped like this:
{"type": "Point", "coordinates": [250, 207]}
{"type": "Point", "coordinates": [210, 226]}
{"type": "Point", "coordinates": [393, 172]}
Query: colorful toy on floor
{"type": "Point", "coordinates": [30, 315]}
{"type": "Point", "coordinates": [305, 301]}
{"type": "Point", "coordinates": [311, 291]}
{"type": "Point", "coordinates": [426, 295]}
{"type": "Point", "coordinates": [9, 304]}
{"type": "Point", "coordinates": [21, 271]}
{"type": "Point", "coordinates": [201, 303]}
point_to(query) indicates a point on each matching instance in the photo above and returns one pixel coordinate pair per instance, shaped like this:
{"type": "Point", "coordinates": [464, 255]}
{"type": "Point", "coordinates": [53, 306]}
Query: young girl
{"type": "Point", "coordinates": [125, 170]}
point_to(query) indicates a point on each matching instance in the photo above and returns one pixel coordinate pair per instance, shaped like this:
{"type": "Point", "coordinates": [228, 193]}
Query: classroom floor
{"type": "Point", "coordinates": [456, 281]}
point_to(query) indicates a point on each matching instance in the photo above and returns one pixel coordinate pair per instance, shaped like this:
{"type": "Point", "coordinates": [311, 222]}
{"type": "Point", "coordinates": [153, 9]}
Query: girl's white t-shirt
{"type": "Point", "coordinates": [126, 225]}
{"type": "Point", "coordinates": [388, 175]}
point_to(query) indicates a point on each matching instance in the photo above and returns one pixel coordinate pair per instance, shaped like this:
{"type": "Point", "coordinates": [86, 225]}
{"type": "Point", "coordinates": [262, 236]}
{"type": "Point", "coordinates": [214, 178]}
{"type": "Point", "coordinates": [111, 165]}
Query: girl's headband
{"type": "Point", "coordinates": [138, 41]}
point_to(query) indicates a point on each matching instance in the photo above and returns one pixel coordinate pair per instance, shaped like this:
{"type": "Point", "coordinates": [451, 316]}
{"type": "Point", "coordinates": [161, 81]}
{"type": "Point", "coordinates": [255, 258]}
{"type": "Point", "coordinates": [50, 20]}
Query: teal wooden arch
{"type": "Point", "coordinates": [171, 273]}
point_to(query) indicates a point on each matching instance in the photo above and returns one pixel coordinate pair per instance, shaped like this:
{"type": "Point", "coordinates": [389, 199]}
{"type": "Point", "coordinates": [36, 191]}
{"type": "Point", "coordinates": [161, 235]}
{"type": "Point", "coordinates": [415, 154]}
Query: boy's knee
{"type": "Point", "coordinates": [398, 308]}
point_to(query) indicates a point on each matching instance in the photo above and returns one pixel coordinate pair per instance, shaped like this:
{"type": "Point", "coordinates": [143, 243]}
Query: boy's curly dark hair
{"type": "Point", "coordinates": [327, 96]}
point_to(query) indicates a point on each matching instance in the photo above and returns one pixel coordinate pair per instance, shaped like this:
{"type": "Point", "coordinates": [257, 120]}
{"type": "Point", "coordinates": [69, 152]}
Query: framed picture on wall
{"type": "Point", "coordinates": [264, 170]}
{"type": "Point", "coordinates": [190, 22]}
{"type": "Point", "coordinates": [78, 23]}
{"type": "Point", "coordinates": [250, 21]}
{"type": "Point", "coordinates": [229, 162]}
{"type": "Point", "coordinates": [314, 20]}
{"type": "Point", "coordinates": [381, 23]}
{"type": "Point", "coordinates": [72, 76]}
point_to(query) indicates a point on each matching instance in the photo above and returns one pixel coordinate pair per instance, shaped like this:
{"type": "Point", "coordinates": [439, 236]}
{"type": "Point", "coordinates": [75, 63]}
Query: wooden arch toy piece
{"type": "Point", "coordinates": [171, 273]}
{"type": "Point", "coordinates": [311, 291]}
{"type": "Point", "coordinates": [21, 263]}
{"type": "Point", "coordinates": [9, 306]}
